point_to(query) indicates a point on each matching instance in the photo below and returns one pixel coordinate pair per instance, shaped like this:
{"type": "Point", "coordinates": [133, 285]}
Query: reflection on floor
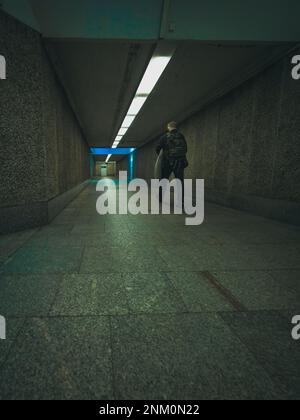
{"type": "Point", "coordinates": [123, 307]}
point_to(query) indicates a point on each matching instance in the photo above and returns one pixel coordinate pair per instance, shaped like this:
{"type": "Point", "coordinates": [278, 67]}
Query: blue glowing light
{"type": "Point", "coordinates": [131, 165]}
{"type": "Point", "coordinates": [109, 151]}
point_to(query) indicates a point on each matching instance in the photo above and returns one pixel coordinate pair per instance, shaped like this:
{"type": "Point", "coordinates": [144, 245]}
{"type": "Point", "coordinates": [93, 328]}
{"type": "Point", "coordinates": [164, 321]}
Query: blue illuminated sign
{"type": "Point", "coordinates": [109, 151]}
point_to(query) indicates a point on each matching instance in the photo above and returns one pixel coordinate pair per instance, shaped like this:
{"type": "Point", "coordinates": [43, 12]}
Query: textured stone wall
{"type": "Point", "coordinates": [42, 151]}
{"type": "Point", "coordinates": [67, 152]}
{"type": "Point", "coordinates": [123, 165]}
{"type": "Point", "coordinates": [247, 146]}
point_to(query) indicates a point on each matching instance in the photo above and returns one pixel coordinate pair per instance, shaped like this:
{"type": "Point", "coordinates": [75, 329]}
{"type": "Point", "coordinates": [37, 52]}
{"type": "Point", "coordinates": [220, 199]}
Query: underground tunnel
{"type": "Point", "coordinates": [149, 202]}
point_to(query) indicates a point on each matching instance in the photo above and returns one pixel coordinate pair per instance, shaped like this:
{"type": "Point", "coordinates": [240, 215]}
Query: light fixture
{"type": "Point", "coordinates": [108, 158]}
{"type": "Point", "coordinates": [137, 105]}
{"type": "Point", "coordinates": [128, 121]}
{"type": "Point", "coordinates": [123, 131]}
{"type": "Point", "coordinates": [152, 75]}
{"type": "Point", "coordinates": [155, 69]}
{"type": "Point", "coordinates": [116, 144]}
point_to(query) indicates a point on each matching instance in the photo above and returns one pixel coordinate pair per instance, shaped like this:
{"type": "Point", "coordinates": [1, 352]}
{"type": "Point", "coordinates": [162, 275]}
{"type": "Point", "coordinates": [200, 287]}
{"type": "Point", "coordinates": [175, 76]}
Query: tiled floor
{"type": "Point", "coordinates": [124, 307]}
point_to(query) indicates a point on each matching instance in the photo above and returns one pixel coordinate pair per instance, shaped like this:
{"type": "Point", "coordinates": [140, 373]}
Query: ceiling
{"type": "Point", "coordinates": [101, 48]}
{"type": "Point", "coordinates": [101, 78]}
{"type": "Point", "coordinates": [205, 20]}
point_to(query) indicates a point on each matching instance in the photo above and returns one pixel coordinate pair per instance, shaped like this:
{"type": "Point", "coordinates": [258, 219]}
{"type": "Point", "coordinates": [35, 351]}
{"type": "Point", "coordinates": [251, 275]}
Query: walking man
{"type": "Point", "coordinates": [174, 147]}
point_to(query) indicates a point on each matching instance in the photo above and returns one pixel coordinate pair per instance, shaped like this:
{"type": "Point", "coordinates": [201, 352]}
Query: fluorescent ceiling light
{"type": "Point", "coordinates": [152, 75]}
{"type": "Point", "coordinates": [128, 121]}
{"type": "Point", "coordinates": [137, 105]}
{"type": "Point", "coordinates": [122, 131]}
{"type": "Point", "coordinates": [108, 158]}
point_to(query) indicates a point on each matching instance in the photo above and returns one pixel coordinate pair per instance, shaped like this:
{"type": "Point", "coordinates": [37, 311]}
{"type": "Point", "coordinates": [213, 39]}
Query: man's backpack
{"type": "Point", "coordinates": [176, 146]}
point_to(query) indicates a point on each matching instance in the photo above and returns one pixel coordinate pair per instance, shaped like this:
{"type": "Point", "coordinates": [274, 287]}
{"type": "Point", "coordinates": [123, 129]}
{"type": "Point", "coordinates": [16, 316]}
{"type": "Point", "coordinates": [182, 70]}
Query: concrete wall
{"type": "Point", "coordinates": [43, 154]}
{"type": "Point", "coordinates": [123, 165]}
{"type": "Point", "coordinates": [247, 146]}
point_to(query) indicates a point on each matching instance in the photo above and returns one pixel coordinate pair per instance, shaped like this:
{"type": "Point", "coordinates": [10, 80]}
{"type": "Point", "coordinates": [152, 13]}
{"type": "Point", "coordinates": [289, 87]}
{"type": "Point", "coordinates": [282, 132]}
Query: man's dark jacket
{"type": "Point", "coordinates": [166, 144]}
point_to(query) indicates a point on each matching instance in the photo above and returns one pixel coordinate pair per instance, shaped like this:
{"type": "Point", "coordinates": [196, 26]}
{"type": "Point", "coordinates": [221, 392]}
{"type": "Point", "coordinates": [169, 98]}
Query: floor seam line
{"type": "Point", "coordinates": [237, 305]}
